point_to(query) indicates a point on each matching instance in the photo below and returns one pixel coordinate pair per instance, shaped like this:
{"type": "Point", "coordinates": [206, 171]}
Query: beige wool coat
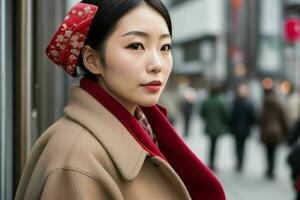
{"type": "Point", "coordinates": [88, 155]}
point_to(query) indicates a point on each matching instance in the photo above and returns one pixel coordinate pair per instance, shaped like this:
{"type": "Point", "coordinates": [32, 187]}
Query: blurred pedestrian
{"type": "Point", "coordinates": [187, 105]}
{"type": "Point", "coordinates": [293, 107]}
{"type": "Point", "coordinates": [215, 116]}
{"type": "Point", "coordinates": [242, 119]}
{"type": "Point", "coordinates": [273, 128]}
{"type": "Point", "coordinates": [293, 158]}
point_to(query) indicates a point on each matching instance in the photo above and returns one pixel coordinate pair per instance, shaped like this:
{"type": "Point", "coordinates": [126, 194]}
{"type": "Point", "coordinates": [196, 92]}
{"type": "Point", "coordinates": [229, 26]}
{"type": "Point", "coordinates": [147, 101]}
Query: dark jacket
{"type": "Point", "coordinates": [293, 157]}
{"type": "Point", "coordinates": [273, 124]}
{"type": "Point", "coordinates": [242, 117]}
{"type": "Point", "coordinates": [294, 133]}
{"type": "Point", "coordinates": [293, 160]}
{"type": "Point", "coordinates": [215, 115]}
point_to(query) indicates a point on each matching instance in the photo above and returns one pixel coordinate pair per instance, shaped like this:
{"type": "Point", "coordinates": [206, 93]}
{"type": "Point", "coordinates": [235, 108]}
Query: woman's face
{"type": "Point", "coordinates": [138, 58]}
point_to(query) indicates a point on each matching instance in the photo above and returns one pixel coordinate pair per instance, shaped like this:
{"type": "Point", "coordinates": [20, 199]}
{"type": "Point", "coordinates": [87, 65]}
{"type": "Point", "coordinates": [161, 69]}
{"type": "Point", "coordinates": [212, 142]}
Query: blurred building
{"type": "Point", "coordinates": [291, 51]}
{"type": "Point", "coordinates": [199, 39]}
{"type": "Point", "coordinates": [258, 49]}
{"type": "Point", "coordinates": [232, 40]}
{"type": "Point", "coordinates": [270, 39]}
{"type": "Point", "coordinates": [254, 38]}
{"type": "Point", "coordinates": [241, 39]}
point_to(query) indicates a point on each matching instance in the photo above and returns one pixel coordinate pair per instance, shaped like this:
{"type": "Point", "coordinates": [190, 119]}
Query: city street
{"type": "Point", "coordinates": [251, 183]}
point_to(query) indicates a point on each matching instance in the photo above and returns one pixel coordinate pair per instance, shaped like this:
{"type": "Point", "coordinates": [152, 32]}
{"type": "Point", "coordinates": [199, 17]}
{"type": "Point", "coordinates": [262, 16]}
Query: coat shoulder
{"type": "Point", "coordinates": [65, 145]}
{"type": "Point", "coordinates": [68, 145]}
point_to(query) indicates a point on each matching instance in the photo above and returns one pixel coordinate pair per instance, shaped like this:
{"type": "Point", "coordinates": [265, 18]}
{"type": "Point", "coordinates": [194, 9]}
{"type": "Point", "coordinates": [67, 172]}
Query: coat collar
{"type": "Point", "coordinates": [127, 154]}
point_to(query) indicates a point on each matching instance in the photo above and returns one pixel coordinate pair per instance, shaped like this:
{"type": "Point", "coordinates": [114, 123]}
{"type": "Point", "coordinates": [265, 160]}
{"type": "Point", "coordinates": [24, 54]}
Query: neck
{"type": "Point", "coordinates": [128, 106]}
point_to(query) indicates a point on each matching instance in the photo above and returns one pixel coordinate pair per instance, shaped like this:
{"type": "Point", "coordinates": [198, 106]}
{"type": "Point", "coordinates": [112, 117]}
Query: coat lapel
{"type": "Point", "coordinates": [124, 150]}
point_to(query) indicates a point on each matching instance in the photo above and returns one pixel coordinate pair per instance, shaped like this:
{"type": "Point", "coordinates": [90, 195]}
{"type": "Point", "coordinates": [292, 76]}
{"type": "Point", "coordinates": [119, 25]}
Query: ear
{"type": "Point", "coordinates": [91, 59]}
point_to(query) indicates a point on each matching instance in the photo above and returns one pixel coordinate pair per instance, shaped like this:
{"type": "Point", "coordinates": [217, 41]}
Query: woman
{"type": "Point", "coordinates": [273, 129]}
{"type": "Point", "coordinates": [242, 120]}
{"type": "Point", "coordinates": [114, 142]}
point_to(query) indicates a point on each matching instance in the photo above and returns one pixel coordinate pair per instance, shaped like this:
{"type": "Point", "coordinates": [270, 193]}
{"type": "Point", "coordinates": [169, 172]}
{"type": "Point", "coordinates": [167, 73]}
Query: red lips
{"type": "Point", "coordinates": [153, 86]}
{"type": "Point", "coordinates": [152, 83]}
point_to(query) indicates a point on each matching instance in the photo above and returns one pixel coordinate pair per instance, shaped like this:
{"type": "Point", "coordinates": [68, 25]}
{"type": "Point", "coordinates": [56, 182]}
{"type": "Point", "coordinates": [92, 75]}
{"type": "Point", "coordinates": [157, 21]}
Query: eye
{"type": "Point", "coordinates": [166, 47]}
{"type": "Point", "coordinates": [136, 46]}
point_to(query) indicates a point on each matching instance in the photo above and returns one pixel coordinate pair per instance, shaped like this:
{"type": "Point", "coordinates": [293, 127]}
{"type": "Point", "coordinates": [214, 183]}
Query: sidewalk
{"type": "Point", "coordinates": [250, 184]}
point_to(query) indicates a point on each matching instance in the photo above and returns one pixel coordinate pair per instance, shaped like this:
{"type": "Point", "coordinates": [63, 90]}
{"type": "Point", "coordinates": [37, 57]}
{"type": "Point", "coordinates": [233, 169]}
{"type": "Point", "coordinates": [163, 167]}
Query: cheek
{"type": "Point", "coordinates": [120, 64]}
{"type": "Point", "coordinates": [169, 65]}
{"type": "Point", "coordinates": [123, 70]}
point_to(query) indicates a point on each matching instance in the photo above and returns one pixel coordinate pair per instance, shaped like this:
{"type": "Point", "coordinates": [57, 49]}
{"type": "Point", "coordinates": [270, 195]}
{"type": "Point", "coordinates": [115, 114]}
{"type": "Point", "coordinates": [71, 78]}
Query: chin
{"type": "Point", "coordinates": [148, 100]}
{"type": "Point", "coordinates": [148, 103]}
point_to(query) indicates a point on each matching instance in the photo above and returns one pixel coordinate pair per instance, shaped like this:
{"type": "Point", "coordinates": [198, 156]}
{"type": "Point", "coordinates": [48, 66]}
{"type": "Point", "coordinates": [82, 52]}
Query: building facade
{"type": "Point", "coordinates": [199, 38]}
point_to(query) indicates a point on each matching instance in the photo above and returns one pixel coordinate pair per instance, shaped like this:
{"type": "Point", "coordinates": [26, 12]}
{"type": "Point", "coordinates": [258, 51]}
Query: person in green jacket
{"type": "Point", "coordinates": [215, 117]}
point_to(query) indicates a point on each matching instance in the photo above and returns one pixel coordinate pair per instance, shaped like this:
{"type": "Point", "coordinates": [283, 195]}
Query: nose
{"type": "Point", "coordinates": [155, 63]}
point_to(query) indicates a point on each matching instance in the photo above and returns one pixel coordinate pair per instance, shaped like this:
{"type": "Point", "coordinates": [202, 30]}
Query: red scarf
{"type": "Point", "coordinates": [198, 179]}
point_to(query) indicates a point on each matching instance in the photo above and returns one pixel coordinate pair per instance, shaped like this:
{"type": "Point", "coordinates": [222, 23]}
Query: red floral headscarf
{"type": "Point", "coordinates": [66, 44]}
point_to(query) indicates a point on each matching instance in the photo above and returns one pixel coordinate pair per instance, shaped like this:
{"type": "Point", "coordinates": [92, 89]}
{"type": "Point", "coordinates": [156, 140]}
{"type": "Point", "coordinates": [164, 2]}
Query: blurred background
{"type": "Point", "coordinates": [235, 62]}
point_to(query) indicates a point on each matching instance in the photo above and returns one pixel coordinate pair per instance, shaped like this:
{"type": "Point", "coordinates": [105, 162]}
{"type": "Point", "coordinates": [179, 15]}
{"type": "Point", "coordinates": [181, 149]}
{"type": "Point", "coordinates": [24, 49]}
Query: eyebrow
{"type": "Point", "coordinates": [143, 34]}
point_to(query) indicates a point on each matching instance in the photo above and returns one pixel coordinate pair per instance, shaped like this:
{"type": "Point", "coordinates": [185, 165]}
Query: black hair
{"type": "Point", "coordinates": [108, 14]}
